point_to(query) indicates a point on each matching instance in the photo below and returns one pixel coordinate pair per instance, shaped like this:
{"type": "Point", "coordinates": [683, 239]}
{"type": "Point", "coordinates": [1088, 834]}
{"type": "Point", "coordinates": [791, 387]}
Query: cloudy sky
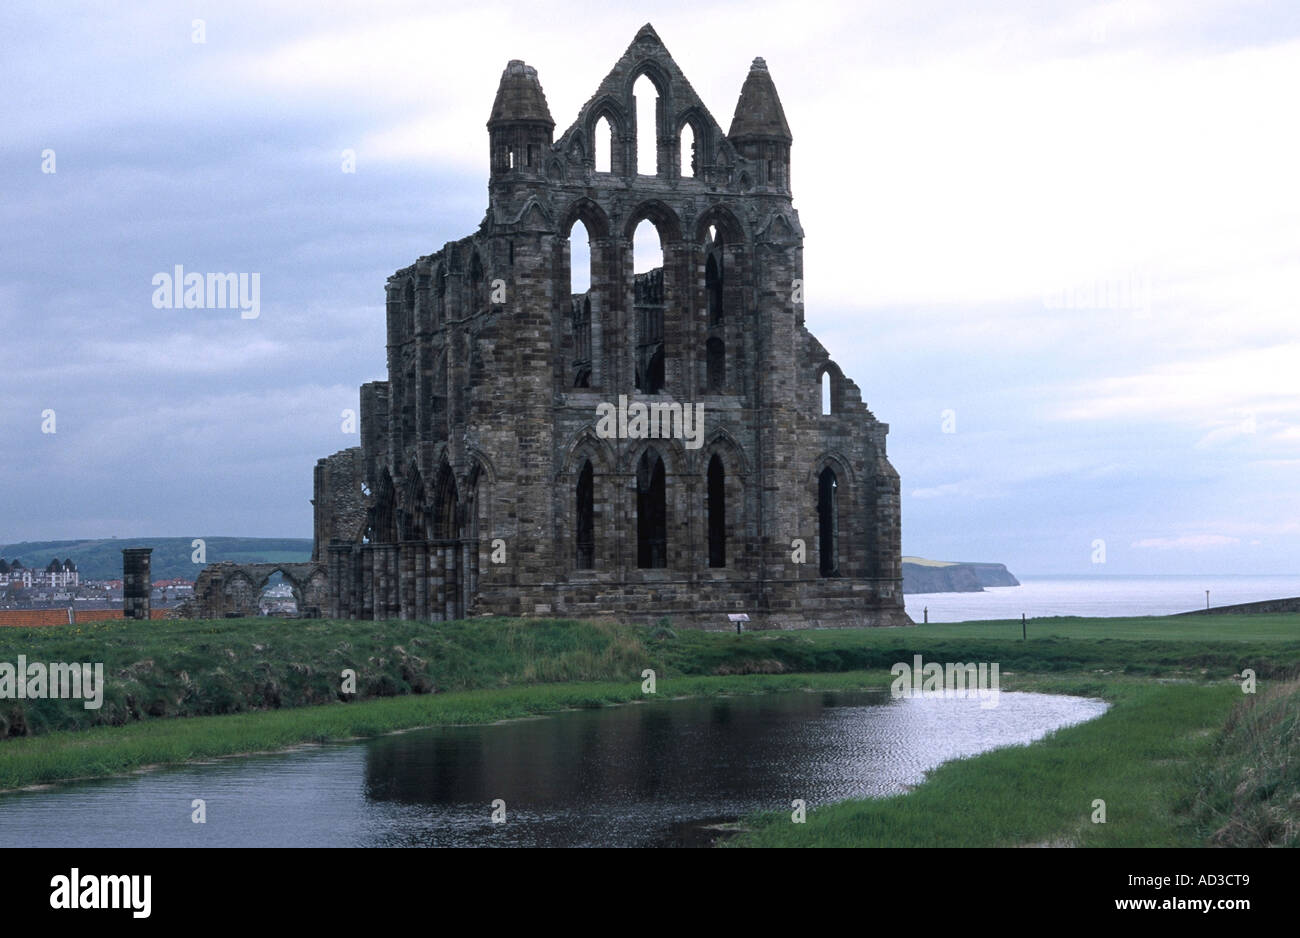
{"type": "Point", "coordinates": [1057, 248]}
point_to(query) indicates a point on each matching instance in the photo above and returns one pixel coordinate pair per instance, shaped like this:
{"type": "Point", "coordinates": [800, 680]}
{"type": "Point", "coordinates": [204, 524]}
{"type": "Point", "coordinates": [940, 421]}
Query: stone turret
{"type": "Point", "coordinates": [759, 129]}
{"type": "Point", "coordinates": [520, 127]}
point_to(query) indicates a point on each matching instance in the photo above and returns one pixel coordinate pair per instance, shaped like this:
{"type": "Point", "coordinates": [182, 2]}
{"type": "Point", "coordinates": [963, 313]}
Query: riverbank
{"type": "Point", "coordinates": [169, 669]}
{"type": "Point", "coordinates": [1174, 759]}
{"type": "Point", "coordinates": [1141, 767]}
{"type": "Point", "coordinates": [118, 750]}
{"type": "Point", "coordinates": [1169, 765]}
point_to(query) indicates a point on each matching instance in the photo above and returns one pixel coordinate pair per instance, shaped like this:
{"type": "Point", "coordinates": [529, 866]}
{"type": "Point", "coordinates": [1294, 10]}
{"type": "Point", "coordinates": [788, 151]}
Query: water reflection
{"type": "Point", "coordinates": [639, 775]}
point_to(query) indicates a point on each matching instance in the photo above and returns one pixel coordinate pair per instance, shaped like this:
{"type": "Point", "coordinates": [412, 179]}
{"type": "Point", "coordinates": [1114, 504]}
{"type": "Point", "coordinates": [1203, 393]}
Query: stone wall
{"type": "Point", "coordinates": [229, 590]}
{"type": "Point", "coordinates": [488, 485]}
{"type": "Point", "coordinates": [1263, 607]}
{"type": "Point", "coordinates": [340, 502]}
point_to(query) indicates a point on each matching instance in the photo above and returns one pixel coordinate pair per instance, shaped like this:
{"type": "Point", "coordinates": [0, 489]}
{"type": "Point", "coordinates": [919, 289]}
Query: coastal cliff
{"type": "Point", "coordinates": [938, 576]}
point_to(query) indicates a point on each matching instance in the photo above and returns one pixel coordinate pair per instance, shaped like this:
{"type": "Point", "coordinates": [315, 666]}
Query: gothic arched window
{"type": "Point", "coordinates": [651, 512]}
{"type": "Point", "coordinates": [827, 526]}
{"type": "Point", "coordinates": [717, 512]}
{"type": "Point", "coordinates": [586, 515]}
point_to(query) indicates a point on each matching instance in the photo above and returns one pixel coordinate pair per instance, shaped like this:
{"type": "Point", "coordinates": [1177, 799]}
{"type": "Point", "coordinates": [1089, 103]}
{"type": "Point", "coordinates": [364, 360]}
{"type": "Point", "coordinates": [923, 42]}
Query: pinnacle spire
{"type": "Point", "coordinates": [759, 114]}
{"type": "Point", "coordinates": [520, 96]}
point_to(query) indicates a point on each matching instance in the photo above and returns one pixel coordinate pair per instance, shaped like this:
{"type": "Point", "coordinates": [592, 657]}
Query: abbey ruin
{"type": "Point", "coordinates": [493, 476]}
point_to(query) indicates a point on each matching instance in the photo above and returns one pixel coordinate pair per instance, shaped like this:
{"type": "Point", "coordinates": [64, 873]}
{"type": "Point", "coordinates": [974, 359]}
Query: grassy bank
{"type": "Point", "coordinates": [1249, 792]}
{"type": "Point", "coordinates": [163, 669]}
{"type": "Point", "coordinates": [1180, 758]}
{"type": "Point", "coordinates": [1177, 764]}
{"type": "Point", "coordinates": [112, 750]}
{"type": "Point", "coordinates": [1141, 758]}
{"type": "Point", "coordinates": [167, 669]}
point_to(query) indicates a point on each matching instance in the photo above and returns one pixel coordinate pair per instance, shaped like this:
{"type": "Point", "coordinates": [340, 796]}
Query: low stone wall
{"type": "Point", "coordinates": [1264, 606]}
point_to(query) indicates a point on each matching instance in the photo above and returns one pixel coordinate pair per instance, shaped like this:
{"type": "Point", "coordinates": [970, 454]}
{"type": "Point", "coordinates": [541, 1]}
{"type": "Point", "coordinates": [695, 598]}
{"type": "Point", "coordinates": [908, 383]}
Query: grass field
{"type": "Point", "coordinates": [1182, 757]}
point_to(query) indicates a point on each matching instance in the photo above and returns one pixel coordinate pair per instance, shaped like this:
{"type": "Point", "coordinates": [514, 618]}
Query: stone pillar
{"type": "Point", "coordinates": [420, 571]}
{"type": "Point", "coordinates": [136, 582]}
{"type": "Point", "coordinates": [435, 582]}
{"type": "Point", "coordinates": [466, 577]}
{"type": "Point", "coordinates": [214, 601]}
{"type": "Point", "coordinates": [355, 592]}
{"type": "Point", "coordinates": [367, 582]}
{"type": "Point", "coordinates": [451, 582]}
{"type": "Point", "coordinates": [378, 584]}
{"type": "Point", "coordinates": [406, 567]}
{"type": "Point", "coordinates": [438, 586]}
{"type": "Point", "coordinates": [340, 579]}
{"type": "Point", "coordinates": [392, 605]}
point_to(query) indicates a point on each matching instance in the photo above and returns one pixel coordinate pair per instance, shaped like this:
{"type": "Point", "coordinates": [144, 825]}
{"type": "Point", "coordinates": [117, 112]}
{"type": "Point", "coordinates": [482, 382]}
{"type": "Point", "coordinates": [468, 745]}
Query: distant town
{"type": "Point", "coordinates": [58, 586]}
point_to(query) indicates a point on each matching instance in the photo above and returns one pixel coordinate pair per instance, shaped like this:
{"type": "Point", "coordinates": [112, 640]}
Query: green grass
{"type": "Point", "coordinates": [113, 750]}
{"type": "Point", "coordinates": [1178, 759]}
{"type": "Point", "coordinates": [1215, 628]}
{"type": "Point", "coordinates": [1154, 646]}
{"type": "Point", "coordinates": [1140, 758]}
{"type": "Point", "coordinates": [1249, 793]}
{"type": "Point", "coordinates": [163, 669]}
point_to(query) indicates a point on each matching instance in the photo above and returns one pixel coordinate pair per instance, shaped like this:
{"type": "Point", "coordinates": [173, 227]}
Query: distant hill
{"type": "Point", "coordinates": [945, 576]}
{"type": "Point", "coordinates": [102, 559]}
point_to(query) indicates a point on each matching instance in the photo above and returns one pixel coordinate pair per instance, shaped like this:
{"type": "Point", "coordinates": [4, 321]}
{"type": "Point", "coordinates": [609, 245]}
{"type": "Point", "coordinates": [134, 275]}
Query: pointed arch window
{"type": "Point", "coordinates": [603, 146]}
{"type": "Point", "coordinates": [586, 517]}
{"type": "Point", "coordinates": [713, 287]}
{"type": "Point", "coordinates": [717, 513]}
{"type": "Point", "coordinates": [580, 303]}
{"type": "Point", "coordinates": [827, 522]}
{"type": "Point", "coordinates": [447, 518]}
{"type": "Point", "coordinates": [831, 383]}
{"type": "Point", "coordinates": [647, 126]}
{"type": "Point", "coordinates": [651, 512]}
{"type": "Point", "coordinates": [648, 299]}
{"type": "Point", "coordinates": [690, 166]}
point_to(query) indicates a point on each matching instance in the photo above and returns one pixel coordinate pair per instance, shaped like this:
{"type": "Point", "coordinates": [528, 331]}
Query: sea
{"type": "Point", "coordinates": [1099, 596]}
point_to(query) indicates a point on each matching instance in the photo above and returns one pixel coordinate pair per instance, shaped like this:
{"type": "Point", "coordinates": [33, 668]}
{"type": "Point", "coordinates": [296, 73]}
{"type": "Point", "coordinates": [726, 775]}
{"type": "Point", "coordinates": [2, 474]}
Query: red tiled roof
{"type": "Point", "coordinates": [32, 618]}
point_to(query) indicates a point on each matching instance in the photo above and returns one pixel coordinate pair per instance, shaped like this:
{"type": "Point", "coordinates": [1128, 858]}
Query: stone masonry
{"type": "Point", "coordinates": [225, 590]}
{"type": "Point", "coordinates": [488, 481]}
{"type": "Point", "coordinates": [137, 582]}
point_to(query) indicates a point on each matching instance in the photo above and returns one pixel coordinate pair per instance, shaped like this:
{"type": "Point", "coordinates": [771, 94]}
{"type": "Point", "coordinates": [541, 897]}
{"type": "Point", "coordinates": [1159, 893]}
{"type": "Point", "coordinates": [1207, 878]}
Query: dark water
{"type": "Point", "coordinates": [653, 774]}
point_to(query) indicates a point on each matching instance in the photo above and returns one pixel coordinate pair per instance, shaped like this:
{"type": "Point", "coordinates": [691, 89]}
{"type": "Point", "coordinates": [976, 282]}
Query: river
{"type": "Point", "coordinates": [656, 774]}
